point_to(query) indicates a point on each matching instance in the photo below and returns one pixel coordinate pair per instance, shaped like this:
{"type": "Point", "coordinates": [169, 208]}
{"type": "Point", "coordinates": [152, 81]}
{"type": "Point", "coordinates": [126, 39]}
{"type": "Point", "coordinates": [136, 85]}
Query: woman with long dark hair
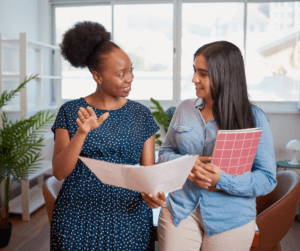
{"type": "Point", "coordinates": [214, 210]}
{"type": "Point", "coordinates": [105, 125]}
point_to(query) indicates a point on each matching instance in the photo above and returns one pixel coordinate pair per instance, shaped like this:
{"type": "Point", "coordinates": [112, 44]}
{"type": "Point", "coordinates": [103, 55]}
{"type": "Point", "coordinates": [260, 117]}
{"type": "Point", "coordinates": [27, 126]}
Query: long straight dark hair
{"type": "Point", "coordinates": [225, 64]}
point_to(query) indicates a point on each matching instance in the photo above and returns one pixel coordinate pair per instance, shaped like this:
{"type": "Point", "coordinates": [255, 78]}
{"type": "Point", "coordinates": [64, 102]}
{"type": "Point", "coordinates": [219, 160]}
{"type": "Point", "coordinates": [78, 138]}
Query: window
{"type": "Point", "coordinates": [78, 82]}
{"type": "Point", "coordinates": [161, 37]}
{"type": "Point", "coordinates": [145, 32]}
{"type": "Point", "coordinates": [204, 23]}
{"type": "Point", "coordinates": [272, 73]}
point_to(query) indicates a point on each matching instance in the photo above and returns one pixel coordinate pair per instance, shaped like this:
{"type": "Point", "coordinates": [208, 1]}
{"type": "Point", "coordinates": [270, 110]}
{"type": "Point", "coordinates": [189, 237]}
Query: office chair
{"type": "Point", "coordinates": [276, 211]}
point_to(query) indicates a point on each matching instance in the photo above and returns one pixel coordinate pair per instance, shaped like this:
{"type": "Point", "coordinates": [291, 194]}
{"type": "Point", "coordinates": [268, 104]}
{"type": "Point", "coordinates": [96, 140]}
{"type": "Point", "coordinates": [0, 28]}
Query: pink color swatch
{"type": "Point", "coordinates": [235, 150]}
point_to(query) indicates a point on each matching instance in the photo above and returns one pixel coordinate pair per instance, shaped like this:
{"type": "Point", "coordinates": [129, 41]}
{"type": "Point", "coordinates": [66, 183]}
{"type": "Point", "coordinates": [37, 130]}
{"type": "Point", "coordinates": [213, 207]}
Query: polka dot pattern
{"type": "Point", "coordinates": [90, 215]}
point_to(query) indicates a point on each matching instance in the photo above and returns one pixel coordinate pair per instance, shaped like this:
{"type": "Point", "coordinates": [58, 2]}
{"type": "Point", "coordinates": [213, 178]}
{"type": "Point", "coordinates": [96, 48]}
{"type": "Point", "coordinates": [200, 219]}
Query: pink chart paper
{"type": "Point", "coordinates": [167, 177]}
{"type": "Point", "coordinates": [235, 150]}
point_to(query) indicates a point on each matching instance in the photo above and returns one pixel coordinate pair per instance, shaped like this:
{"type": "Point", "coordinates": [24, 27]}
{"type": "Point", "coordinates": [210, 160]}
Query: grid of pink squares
{"type": "Point", "coordinates": [235, 151]}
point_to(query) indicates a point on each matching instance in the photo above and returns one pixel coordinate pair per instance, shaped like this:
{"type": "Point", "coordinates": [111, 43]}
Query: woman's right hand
{"type": "Point", "coordinates": [153, 201]}
{"type": "Point", "coordinates": [200, 172]}
{"type": "Point", "coordinates": [87, 119]}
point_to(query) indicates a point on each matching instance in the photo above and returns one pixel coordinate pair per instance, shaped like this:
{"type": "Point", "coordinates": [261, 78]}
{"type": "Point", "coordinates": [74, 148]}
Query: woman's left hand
{"type": "Point", "coordinates": [153, 201]}
{"type": "Point", "coordinates": [208, 170]}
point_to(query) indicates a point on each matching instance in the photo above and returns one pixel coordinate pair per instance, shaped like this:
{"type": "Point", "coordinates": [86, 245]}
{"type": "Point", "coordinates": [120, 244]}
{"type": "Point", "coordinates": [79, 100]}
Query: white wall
{"type": "Point", "coordinates": [19, 16]}
{"type": "Point", "coordinates": [44, 21]}
{"type": "Point", "coordinates": [285, 127]}
{"type": "Point", "coordinates": [30, 16]}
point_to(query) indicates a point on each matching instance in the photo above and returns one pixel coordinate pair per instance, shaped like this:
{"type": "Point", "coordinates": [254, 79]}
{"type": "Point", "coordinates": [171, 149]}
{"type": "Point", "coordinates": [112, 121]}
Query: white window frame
{"type": "Point", "coordinates": [276, 107]}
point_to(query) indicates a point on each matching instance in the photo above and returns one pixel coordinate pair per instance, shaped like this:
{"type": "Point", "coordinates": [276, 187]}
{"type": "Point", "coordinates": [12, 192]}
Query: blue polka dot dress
{"type": "Point", "coordinates": [90, 215]}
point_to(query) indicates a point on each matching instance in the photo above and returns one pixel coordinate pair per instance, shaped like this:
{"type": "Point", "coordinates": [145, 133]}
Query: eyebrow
{"type": "Point", "coordinates": [123, 69]}
{"type": "Point", "coordinates": [199, 69]}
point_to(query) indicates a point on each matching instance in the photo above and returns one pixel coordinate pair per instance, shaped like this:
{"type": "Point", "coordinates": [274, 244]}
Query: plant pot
{"type": "Point", "coordinates": [5, 235]}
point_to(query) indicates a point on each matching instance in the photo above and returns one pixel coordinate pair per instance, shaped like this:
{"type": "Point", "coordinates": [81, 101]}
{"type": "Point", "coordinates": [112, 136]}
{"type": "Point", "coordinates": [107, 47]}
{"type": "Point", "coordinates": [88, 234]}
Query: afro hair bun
{"type": "Point", "coordinates": [80, 41]}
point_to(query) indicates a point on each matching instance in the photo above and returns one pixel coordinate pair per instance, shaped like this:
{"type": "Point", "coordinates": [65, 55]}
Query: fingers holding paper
{"type": "Point", "coordinates": [87, 119]}
{"type": "Point", "coordinates": [153, 201]}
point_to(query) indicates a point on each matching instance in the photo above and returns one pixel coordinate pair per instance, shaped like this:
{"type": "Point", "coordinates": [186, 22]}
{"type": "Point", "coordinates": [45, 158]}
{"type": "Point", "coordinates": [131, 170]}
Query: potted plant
{"type": "Point", "coordinates": [162, 117]}
{"type": "Point", "coordinates": [20, 146]}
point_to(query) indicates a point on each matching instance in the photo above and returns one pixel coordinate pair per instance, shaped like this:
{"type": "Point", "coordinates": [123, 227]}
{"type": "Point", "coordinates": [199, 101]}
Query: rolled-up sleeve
{"type": "Point", "coordinates": [262, 178]}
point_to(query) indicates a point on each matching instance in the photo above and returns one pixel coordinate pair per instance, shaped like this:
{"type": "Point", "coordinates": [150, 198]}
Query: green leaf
{"type": "Point", "coordinates": [166, 128]}
{"type": "Point", "coordinates": [5, 97]}
{"type": "Point", "coordinates": [158, 117]}
{"type": "Point", "coordinates": [21, 142]}
{"type": "Point", "coordinates": [158, 142]}
{"type": "Point", "coordinates": [158, 107]}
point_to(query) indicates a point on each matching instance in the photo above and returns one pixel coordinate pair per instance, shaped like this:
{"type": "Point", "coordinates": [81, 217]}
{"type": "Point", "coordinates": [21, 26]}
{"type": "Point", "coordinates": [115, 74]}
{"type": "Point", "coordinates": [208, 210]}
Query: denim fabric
{"type": "Point", "coordinates": [235, 205]}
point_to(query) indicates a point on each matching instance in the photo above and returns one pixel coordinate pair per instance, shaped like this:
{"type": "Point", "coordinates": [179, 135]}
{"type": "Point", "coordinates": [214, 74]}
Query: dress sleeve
{"type": "Point", "coordinates": [150, 126]}
{"type": "Point", "coordinates": [262, 178]}
{"type": "Point", "coordinates": [60, 120]}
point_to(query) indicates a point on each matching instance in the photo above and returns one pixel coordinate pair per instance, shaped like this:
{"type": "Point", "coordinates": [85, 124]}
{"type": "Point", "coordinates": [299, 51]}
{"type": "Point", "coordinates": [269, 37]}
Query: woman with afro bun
{"type": "Point", "coordinates": [90, 215]}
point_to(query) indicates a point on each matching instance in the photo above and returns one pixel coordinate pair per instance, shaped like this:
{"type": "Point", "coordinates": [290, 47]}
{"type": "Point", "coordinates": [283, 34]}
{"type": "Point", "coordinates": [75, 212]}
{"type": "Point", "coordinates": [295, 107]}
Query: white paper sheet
{"type": "Point", "coordinates": [167, 177]}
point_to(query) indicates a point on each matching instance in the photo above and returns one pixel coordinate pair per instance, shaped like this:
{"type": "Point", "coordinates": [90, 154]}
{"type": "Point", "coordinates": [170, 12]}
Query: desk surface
{"type": "Point", "coordinates": [285, 164]}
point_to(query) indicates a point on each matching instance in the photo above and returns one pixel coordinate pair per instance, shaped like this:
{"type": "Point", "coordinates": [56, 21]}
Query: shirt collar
{"type": "Point", "coordinates": [199, 103]}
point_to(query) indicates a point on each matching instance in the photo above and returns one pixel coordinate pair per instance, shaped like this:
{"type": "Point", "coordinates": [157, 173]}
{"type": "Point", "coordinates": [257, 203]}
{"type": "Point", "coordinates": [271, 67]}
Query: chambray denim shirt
{"type": "Point", "coordinates": [235, 205]}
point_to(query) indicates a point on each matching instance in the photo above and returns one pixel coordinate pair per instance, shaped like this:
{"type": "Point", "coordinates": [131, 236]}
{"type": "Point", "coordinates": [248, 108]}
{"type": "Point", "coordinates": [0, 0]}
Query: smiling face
{"type": "Point", "coordinates": [201, 78]}
{"type": "Point", "coordinates": [115, 80]}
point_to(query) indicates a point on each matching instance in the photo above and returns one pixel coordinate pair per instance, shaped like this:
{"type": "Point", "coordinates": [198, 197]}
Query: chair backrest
{"type": "Point", "coordinates": [276, 211]}
{"type": "Point", "coordinates": [51, 189]}
{"type": "Point", "coordinates": [286, 182]}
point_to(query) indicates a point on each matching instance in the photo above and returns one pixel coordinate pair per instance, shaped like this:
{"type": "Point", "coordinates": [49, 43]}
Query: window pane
{"type": "Point", "coordinates": [77, 82]}
{"type": "Point", "coordinates": [273, 51]}
{"type": "Point", "coordinates": [203, 23]}
{"type": "Point", "coordinates": [145, 32]}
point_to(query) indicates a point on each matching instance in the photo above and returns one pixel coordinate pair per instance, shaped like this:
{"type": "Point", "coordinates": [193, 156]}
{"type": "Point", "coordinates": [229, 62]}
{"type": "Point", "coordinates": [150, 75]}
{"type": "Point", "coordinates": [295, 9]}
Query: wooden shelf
{"type": "Point", "coordinates": [16, 109]}
{"type": "Point", "coordinates": [35, 197]}
{"type": "Point", "coordinates": [10, 75]}
{"type": "Point", "coordinates": [38, 45]}
{"type": "Point", "coordinates": [35, 193]}
{"type": "Point", "coordinates": [46, 168]}
{"type": "Point", "coordinates": [49, 77]}
{"type": "Point", "coordinates": [15, 43]}
{"type": "Point", "coordinates": [32, 198]}
{"type": "Point", "coordinates": [17, 75]}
